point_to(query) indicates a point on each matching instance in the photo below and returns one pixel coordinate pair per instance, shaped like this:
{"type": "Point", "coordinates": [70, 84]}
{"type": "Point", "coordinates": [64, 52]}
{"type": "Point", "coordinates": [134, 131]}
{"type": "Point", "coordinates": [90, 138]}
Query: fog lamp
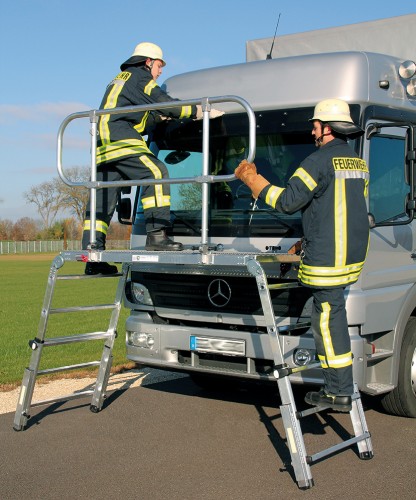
{"type": "Point", "coordinates": [303, 357]}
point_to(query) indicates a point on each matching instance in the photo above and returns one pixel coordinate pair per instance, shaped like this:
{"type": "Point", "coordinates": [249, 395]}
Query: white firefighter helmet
{"type": "Point", "coordinates": [143, 51]}
{"type": "Point", "coordinates": [336, 113]}
{"type": "Point", "coordinates": [150, 50]}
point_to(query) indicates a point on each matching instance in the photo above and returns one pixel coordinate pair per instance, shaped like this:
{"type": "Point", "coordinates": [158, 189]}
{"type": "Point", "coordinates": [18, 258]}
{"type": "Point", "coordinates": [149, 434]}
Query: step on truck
{"type": "Point", "coordinates": [207, 320]}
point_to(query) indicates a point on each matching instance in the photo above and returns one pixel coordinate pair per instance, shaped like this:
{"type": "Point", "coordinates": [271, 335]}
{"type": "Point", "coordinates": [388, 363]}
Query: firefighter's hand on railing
{"type": "Point", "coordinates": [214, 113]}
{"type": "Point", "coordinates": [247, 172]}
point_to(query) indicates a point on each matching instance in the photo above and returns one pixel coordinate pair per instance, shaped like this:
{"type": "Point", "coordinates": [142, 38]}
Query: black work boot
{"type": "Point", "coordinates": [100, 268]}
{"type": "Point", "coordinates": [158, 240]}
{"type": "Point", "coordinates": [337, 403]}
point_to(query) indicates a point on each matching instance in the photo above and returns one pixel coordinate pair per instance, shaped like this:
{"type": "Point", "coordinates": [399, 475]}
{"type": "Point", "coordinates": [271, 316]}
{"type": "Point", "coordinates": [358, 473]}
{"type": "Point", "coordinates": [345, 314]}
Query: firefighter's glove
{"type": "Point", "coordinates": [247, 172]}
{"type": "Point", "coordinates": [214, 113]}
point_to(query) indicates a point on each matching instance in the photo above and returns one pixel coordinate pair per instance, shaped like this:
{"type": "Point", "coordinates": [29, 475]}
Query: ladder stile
{"type": "Point", "coordinates": [107, 356]}
{"type": "Point", "coordinates": [359, 424]}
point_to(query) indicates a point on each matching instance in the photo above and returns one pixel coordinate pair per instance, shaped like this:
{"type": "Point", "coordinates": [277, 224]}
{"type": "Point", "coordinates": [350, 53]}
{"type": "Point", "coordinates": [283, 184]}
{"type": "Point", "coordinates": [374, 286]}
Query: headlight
{"type": "Point", "coordinates": [140, 339]}
{"type": "Point", "coordinates": [141, 294]}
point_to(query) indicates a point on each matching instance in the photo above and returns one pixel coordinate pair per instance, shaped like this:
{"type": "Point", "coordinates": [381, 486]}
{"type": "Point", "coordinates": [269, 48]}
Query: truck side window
{"type": "Point", "coordinates": [388, 187]}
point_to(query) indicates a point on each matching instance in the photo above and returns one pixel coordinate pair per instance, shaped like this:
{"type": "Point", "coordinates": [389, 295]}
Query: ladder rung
{"type": "Point", "coordinates": [63, 398]}
{"type": "Point", "coordinates": [69, 367]}
{"type": "Point", "coordinates": [81, 308]}
{"type": "Point", "coordinates": [337, 447]}
{"type": "Point", "coordinates": [83, 337]}
{"type": "Point", "coordinates": [311, 411]}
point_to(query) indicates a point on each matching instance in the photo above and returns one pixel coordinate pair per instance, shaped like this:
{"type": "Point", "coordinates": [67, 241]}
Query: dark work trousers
{"type": "Point", "coordinates": [155, 198]}
{"type": "Point", "coordinates": [333, 344]}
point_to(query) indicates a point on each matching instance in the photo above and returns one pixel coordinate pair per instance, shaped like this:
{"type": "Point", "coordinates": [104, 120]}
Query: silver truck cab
{"type": "Point", "coordinates": [171, 305]}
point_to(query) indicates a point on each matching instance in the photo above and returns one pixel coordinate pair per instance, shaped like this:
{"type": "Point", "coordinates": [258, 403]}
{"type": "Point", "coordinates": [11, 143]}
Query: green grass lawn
{"type": "Point", "coordinates": [23, 284]}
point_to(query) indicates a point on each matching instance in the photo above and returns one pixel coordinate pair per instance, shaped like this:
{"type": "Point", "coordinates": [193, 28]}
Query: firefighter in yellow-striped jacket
{"type": "Point", "coordinates": [330, 189]}
{"type": "Point", "coordinates": [122, 153]}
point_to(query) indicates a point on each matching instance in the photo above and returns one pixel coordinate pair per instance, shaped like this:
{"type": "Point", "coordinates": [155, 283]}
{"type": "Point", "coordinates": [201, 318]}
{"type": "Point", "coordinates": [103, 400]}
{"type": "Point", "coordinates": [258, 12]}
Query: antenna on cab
{"type": "Point", "coordinates": [269, 55]}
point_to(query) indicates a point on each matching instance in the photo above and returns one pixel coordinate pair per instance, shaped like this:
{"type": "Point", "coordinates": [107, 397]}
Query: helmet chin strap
{"type": "Point", "coordinates": [318, 140]}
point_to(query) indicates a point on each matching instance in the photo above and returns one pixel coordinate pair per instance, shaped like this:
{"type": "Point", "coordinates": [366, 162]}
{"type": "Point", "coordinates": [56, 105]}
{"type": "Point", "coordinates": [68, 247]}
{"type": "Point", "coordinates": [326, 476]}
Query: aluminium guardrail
{"type": "Point", "coordinates": [205, 179]}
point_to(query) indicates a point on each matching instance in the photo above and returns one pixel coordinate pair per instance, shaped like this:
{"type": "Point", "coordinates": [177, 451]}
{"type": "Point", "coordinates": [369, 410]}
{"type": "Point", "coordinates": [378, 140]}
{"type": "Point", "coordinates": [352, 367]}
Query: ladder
{"type": "Point", "coordinates": [301, 461]}
{"type": "Point", "coordinates": [37, 345]}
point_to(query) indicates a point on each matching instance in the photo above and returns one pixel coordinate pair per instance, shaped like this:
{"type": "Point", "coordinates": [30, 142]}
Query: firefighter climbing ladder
{"type": "Point", "coordinates": [204, 257]}
{"type": "Point", "coordinates": [300, 460]}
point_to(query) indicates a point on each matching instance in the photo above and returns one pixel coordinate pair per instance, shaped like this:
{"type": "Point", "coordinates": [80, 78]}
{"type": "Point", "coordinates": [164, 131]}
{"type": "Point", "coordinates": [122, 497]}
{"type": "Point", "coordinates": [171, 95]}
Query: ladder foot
{"type": "Point", "coordinates": [18, 428]}
{"type": "Point", "coordinates": [306, 485]}
{"type": "Point", "coordinates": [94, 409]}
{"type": "Point", "coordinates": [366, 455]}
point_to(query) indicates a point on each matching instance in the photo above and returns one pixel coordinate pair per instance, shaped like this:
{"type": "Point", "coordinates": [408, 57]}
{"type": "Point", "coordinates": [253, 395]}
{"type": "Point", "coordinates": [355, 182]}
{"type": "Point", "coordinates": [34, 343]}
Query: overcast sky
{"type": "Point", "coordinates": [57, 56]}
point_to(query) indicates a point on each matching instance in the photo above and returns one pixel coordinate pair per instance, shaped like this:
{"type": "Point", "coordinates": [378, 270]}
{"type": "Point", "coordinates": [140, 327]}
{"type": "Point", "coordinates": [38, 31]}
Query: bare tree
{"type": "Point", "coordinates": [72, 229]}
{"type": "Point", "coordinates": [6, 229]}
{"type": "Point", "coordinates": [75, 198]}
{"type": "Point", "coordinates": [25, 229]}
{"type": "Point", "coordinates": [48, 200]}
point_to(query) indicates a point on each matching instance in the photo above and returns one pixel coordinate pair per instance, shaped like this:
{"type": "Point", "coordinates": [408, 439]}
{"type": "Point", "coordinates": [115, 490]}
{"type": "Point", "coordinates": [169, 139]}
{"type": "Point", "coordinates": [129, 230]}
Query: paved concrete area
{"type": "Point", "coordinates": [171, 440]}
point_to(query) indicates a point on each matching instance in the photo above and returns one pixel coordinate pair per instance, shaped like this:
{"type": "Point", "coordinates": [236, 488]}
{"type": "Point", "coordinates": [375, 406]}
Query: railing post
{"type": "Point", "coordinates": [93, 191]}
{"type": "Point", "coordinates": [206, 107]}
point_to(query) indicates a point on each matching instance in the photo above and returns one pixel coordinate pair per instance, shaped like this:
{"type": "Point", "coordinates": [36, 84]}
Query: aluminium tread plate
{"type": "Point", "coordinates": [223, 258]}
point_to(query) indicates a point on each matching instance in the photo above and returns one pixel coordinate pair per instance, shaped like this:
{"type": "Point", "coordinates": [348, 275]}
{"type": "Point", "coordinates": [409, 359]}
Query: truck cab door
{"type": "Point", "coordinates": [389, 271]}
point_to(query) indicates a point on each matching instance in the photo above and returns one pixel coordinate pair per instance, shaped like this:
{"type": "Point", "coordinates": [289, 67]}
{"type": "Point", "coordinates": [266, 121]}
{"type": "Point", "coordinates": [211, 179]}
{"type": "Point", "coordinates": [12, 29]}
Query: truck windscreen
{"type": "Point", "coordinates": [283, 140]}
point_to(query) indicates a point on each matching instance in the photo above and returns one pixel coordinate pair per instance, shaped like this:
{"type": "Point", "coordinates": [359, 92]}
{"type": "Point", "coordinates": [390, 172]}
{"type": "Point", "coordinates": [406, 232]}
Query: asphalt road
{"type": "Point", "coordinates": [172, 440]}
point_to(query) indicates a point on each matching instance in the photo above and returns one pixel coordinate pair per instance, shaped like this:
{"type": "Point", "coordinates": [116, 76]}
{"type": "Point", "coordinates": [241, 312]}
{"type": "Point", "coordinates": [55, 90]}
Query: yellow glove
{"type": "Point", "coordinates": [247, 172]}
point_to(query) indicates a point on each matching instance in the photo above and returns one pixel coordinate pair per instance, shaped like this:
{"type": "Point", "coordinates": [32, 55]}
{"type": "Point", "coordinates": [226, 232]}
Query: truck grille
{"type": "Point", "coordinates": [238, 295]}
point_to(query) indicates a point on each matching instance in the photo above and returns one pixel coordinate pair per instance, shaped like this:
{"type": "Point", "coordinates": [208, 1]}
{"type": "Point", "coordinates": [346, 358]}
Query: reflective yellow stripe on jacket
{"type": "Point", "coordinates": [111, 103]}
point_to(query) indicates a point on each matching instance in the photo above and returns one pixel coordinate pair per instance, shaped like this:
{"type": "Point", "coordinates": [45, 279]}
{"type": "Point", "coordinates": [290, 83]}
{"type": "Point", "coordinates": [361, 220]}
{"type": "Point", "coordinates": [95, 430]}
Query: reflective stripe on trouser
{"type": "Point", "coordinates": [156, 199]}
{"type": "Point", "coordinates": [99, 238]}
{"type": "Point", "coordinates": [333, 344]}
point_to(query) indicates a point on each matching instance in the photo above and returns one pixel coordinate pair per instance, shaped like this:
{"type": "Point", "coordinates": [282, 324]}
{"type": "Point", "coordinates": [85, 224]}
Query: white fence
{"type": "Point", "coordinates": [8, 247]}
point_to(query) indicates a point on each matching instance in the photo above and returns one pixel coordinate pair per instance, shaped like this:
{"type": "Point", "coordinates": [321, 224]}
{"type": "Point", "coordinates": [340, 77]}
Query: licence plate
{"type": "Point", "coordinates": [214, 345]}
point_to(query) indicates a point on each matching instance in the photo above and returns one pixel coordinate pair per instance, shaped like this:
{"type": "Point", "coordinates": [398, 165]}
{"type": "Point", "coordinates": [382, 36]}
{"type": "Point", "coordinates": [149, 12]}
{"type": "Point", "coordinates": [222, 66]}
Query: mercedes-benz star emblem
{"type": "Point", "coordinates": [219, 293]}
